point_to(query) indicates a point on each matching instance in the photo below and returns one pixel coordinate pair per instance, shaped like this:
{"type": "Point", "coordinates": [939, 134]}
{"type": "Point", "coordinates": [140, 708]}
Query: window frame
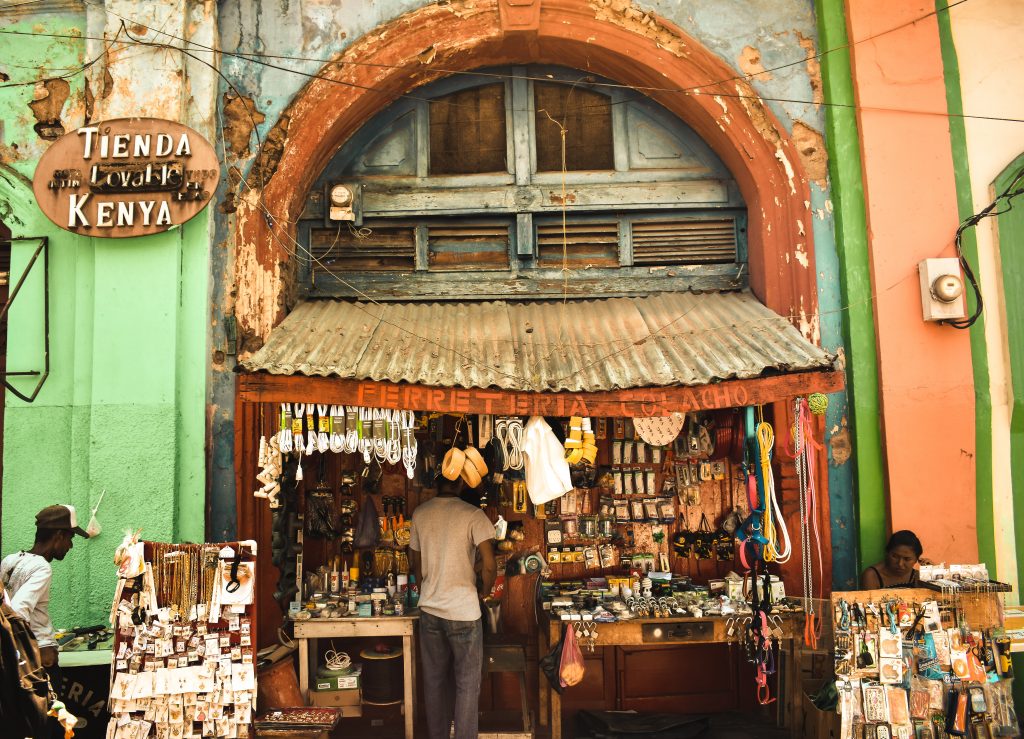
{"type": "Point", "coordinates": [525, 197]}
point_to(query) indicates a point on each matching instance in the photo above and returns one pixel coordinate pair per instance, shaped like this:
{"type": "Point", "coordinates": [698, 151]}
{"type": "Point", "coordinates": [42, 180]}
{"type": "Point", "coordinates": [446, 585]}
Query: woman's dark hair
{"type": "Point", "coordinates": [905, 538]}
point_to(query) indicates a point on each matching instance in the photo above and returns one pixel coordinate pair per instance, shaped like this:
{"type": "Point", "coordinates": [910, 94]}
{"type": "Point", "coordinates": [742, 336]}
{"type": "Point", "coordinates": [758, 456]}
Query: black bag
{"type": "Point", "coordinates": [551, 662]}
{"type": "Point", "coordinates": [24, 684]}
{"type": "Point", "coordinates": [368, 527]}
{"type": "Point", "coordinates": [627, 725]}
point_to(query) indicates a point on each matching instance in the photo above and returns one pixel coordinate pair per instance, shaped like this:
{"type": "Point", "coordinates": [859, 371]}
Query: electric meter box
{"type": "Point", "coordinates": [941, 289]}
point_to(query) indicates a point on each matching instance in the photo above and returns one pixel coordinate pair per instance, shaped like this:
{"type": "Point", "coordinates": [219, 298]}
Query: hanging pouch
{"type": "Point", "coordinates": [552, 661]}
{"type": "Point", "coordinates": [368, 528]}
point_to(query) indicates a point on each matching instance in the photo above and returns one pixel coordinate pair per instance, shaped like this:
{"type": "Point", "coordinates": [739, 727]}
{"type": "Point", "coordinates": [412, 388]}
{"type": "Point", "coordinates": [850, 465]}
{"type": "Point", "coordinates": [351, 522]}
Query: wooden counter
{"type": "Point", "coordinates": [675, 632]}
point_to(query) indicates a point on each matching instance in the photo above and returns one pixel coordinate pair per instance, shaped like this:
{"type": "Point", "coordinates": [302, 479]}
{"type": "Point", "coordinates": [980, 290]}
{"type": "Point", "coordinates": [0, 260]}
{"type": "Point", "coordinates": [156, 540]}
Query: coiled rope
{"type": "Point", "coordinates": [773, 521]}
{"type": "Point", "coordinates": [509, 432]}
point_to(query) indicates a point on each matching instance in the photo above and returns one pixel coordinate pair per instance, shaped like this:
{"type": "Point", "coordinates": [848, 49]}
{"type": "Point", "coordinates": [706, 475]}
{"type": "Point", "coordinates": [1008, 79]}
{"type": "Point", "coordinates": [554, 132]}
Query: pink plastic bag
{"type": "Point", "coordinates": [572, 666]}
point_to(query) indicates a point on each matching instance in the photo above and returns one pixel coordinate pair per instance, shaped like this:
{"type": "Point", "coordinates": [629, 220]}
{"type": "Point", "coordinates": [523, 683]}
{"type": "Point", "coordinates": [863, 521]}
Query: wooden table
{"type": "Point", "coordinates": [307, 633]}
{"type": "Point", "coordinates": [673, 632]}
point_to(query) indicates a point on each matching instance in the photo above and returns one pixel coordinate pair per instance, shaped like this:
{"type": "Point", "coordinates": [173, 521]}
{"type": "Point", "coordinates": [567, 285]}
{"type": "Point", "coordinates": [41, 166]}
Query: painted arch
{"type": "Point", "coordinates": [430, 43]}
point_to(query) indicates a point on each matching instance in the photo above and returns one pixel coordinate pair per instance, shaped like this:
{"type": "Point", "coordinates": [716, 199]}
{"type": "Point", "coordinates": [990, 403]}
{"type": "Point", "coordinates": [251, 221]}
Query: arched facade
{"type": "Point", "coordinates": [427, 44]}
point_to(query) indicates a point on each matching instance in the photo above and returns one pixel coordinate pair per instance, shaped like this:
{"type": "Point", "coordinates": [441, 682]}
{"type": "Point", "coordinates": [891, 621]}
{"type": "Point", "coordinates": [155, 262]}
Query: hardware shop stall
{"type": "Point", "coordinates": [676, 511]}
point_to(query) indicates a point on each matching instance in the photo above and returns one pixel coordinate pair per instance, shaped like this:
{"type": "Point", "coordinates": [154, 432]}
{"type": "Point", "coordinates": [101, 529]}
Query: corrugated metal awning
{"type": "Point", "coordinates": [680, 339]}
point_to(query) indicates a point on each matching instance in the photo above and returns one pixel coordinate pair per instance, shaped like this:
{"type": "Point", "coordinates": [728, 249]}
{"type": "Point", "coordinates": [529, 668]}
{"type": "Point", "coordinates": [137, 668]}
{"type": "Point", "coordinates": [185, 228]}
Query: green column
{"type": "Point", "coordinates": [847, 189]}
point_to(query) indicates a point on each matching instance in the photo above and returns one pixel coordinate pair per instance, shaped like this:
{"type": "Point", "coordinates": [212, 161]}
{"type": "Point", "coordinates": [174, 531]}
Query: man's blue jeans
{"type": "Point", "coordinates": [452, 655]}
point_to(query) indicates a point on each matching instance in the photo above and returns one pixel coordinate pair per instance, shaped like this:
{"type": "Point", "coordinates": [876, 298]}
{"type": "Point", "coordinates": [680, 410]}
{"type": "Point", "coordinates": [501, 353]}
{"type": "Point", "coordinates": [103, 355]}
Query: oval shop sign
{"type": "Point", "coordinates": [126, 177]}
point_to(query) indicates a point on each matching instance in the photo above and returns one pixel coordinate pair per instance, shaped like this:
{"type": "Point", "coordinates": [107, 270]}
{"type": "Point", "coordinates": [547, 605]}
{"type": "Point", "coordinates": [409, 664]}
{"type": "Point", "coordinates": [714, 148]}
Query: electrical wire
{"type": "Point", "coordinates": [312, 258]}
{"type": "Point", "coordinates": [992, 209]}
{"type": "Point", "coordinates": [695, 90]}
{"type": "Point", "coordinates": [335, 660]}
{"type": "Point", "coordinates": [254, 56]}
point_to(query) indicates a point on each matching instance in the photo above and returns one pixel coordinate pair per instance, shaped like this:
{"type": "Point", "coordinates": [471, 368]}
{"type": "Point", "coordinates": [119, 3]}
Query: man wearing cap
{"type": "Point", "coordinates": [26, 575]}
{"type": "Point", "coordinates": [447, 536]}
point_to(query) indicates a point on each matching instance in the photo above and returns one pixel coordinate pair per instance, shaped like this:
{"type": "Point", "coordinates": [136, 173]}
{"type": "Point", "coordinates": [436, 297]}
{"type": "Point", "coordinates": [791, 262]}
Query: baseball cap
{"type": "Point", "coordinates": [59, 517]}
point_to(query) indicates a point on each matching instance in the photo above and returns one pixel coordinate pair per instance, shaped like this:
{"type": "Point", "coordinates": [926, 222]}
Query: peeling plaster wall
{"type": "Point", "coordinates": [123, 408]}
{"type": "Point", "coordinates": [249, 104]}
{"type": "Point", "coordinates": [769, 33]}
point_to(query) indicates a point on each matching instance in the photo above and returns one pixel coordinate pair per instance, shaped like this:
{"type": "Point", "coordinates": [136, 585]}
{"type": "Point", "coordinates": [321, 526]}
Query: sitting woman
{"type": "Point", "coordinates": [898, 568]}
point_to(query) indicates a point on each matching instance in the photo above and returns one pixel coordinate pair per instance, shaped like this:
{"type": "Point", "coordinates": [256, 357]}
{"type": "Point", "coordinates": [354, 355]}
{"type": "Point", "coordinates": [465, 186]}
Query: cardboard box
{"type": "Point", "coordinates": [340, 682]}
{"type": "Point", "coordinates": [337, 699]}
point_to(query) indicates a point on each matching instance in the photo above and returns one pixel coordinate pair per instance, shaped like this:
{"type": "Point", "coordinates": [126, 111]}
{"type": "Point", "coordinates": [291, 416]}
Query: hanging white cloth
{"type": "Point", "coordinates": [547, 472]}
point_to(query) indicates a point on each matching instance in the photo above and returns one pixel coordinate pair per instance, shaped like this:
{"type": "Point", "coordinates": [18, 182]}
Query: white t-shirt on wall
{"type": "Point", "coordinates": [547, 472]}
{"type": "Point", "coordinates": [446, 532]}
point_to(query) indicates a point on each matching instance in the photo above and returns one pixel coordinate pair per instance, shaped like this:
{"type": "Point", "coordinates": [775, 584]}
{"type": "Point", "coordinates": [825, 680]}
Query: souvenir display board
{"type": "Point", "coordinates": [916, 663]}
{"type": "Point", "coordinates": [184, 641]}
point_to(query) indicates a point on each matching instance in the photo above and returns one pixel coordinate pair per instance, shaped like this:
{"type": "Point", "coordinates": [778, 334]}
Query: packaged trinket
{"type": "Point", "coordinates": [588, 527]}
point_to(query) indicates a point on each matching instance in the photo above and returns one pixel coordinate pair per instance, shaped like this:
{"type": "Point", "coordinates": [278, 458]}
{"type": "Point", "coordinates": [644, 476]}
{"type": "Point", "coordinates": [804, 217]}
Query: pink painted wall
{"type": "Point", "coordinates": [926, 384]}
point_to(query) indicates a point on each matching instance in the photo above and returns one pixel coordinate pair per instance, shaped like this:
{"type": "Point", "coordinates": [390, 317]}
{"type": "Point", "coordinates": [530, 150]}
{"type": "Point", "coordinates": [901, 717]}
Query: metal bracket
{"type": "Point", "coordinates": [44, 249]}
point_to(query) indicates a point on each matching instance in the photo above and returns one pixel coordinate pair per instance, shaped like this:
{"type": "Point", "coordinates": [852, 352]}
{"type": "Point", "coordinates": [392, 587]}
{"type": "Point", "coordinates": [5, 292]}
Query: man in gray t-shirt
{"type": "Point", "coordinates": [447, 535]}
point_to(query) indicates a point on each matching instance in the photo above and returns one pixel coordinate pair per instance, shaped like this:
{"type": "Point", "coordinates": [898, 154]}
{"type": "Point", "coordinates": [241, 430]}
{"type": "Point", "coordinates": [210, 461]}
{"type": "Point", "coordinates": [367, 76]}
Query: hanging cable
{"type": "Point", "coordinates": [773, 521]}
{"type": "Point", "coordinates": [509, 432]}
{"type": "Point", "coordinates": [393, 436]}
{"type": "Point", "coordinates": [410, 447]}
{"type": "Point", "coordinates": [298, 439]}
{"type": "Point", "coordinates": [1012, 190]}
{"type": "Point", "coordinates": [323, 441]}
{"type": "Point", "coordinates": [352, 429]}
{"type": "Point", "coordinates": [366, 434]}
{"type": "Point", "coordinates": [337, 427]}
{"type": "Point", "coordinates": [285, 442]}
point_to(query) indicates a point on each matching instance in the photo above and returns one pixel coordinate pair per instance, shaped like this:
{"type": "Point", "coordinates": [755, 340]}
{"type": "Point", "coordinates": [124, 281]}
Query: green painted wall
{"type": "Point", "coordinates": [847, 186]}
{"type": "Point", "coordinates": [1011, 236]}
{"type": "Point", "coordinates": [124, 407]}
{"type": "Point", "coordinates": [122, 410]}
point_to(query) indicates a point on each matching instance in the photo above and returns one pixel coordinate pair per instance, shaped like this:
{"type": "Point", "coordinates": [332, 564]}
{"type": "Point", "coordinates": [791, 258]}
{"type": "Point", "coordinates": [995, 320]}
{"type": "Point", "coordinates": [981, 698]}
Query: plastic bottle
{"type": "Point", "coordinates": [414, 592]}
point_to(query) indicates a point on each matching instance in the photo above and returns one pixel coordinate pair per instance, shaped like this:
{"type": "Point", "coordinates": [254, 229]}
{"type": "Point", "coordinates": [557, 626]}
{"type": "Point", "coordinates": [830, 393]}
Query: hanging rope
{"type": "Point", "coordinates": [804, 456]}
{"type": "Point", "coordinates": [773, 522]}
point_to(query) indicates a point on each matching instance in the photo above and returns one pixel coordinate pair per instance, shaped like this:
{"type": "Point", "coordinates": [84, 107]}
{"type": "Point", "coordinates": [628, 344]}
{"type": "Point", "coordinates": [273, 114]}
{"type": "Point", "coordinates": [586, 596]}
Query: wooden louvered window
{"type": "Point", "coordinates": [462, 190]}
{"type": "Point", "coordinates": [468, 244]}
{"type": "Point", "coordinates": [666, 242]}
{"type": "Point", "coordinates": [374, 248]}
{"type": "Point", "coordinates": [583, 244]}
